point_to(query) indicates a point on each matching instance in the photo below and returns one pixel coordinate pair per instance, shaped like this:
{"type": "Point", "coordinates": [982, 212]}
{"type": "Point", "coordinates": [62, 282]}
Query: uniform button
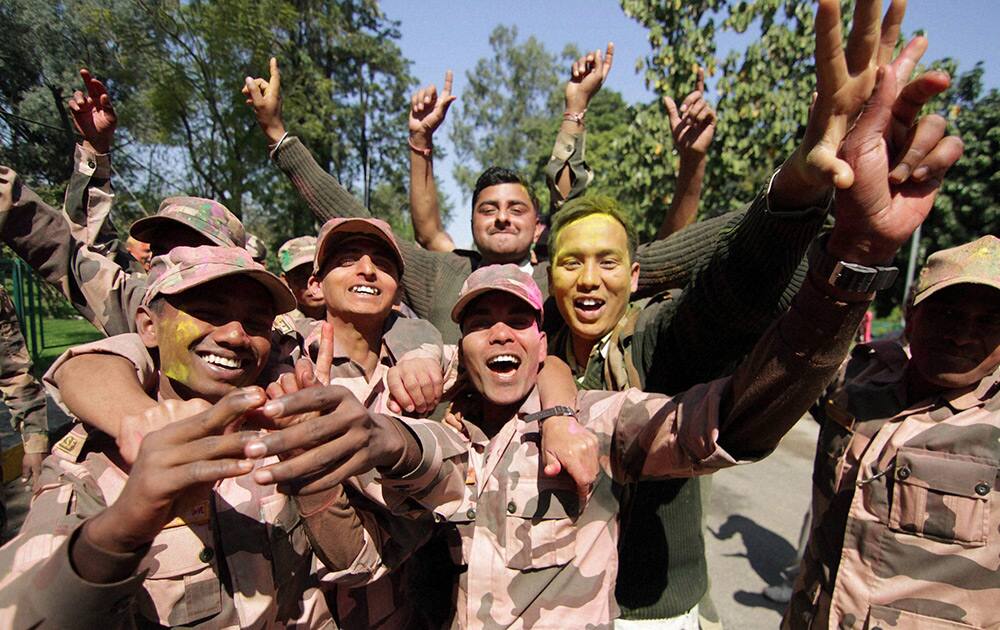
{"type": "Point", "coordinates": [91, 164]}
{"type": "Point", "coordinates": [903, 473]}
{"type": "Point", "coordinates": [206, 554]}
{"type": "Point", "coordinates": [121, 605]}
{"type": "Point", "coordinates": [511, 507]}
{"type": "Point", "coordinates": [471, 514]}
{"type": "Point", "coordinates": [982, 489]}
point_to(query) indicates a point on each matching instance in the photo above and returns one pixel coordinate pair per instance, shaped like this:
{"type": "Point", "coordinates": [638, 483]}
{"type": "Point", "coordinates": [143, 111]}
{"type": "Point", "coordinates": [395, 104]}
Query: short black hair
{"type": "Point", "coordinates": [496, 175]}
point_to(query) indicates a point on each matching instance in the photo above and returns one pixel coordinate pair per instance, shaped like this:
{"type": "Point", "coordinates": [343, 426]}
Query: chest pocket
{"type": "Point", "coordinates": [183, 582]}
{"type": "Point", "coordinates": [540, 526]}
{"type": "Point", "coordinates": [942, 496]}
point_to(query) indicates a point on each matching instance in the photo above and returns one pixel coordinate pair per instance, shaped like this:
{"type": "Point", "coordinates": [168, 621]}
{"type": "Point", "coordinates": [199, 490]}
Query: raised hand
{"type": "Point", "coordinates": [428, 110]}
{"type": "Point", "coordinates": [587, 76]}
{"type": "Point", "coordinates": [93, 115]}
{"type": "Point", "coordinates": [877, 214]}
{"type": "Point", "coordinates": [343, 440]}
{"type": "Point", "coordinates": [265, 98]}
{"type": "Point", "coordinates": [177, 465]}
{"type": "Point", "coordinates": [845, 77]}
{"type": "Point", "coordinates": [693, 124]}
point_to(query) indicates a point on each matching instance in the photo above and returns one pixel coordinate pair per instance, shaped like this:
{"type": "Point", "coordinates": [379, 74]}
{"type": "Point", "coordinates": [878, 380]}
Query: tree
{"type": "Point", "coordinates": [505, 112]}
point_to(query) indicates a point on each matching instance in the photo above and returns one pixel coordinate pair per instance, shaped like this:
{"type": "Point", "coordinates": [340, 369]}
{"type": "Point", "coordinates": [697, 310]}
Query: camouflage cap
{"type": "Point", "coordinates": [350, 226]}
{"type": "Point", "coordinates": [507, 278]}
{"type": "Point", "coordinates": [297, 251]}
{"type": "Point", "coordinates": [210, 218]}
{"type": "Point", "coordinates": [257, 248]}
{"type": "Point", "coordinates": [184, 268]}
{"type": "Point", "coordinates": [977, 262]}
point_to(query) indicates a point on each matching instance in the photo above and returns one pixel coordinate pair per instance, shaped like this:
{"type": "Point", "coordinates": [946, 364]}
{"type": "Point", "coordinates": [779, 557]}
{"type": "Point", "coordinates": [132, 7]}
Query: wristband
{"type": "Point", "coordinates": [558, 410]}
{"type": "Point", "coordinates": [277, 145]}
{"type": "Point", "coordinates": [576, 117]}
{"type": "Point", "coordinates": [424, 152]}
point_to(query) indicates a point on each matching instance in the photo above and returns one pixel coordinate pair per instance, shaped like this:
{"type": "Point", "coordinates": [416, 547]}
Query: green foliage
{"type": "Point", "coordinates": [505, 112]}
{"type": "Point", "coordinates": [175, 70]}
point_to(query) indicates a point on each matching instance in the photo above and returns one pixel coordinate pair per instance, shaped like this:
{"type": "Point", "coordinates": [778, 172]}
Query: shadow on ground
{"type": "Point", "coordinates": [767, 553]}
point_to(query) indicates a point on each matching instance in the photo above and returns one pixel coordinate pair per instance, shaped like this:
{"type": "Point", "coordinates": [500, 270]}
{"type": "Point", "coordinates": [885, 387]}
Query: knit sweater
{"type": "Point", "coordinates": [432, 280]}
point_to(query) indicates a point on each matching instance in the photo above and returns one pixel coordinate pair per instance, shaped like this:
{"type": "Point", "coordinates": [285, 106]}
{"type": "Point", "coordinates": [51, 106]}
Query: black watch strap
{"type": "Point", "coordinates": [846, 275]}
{"type": "Point", "coordinates": [558, 410]}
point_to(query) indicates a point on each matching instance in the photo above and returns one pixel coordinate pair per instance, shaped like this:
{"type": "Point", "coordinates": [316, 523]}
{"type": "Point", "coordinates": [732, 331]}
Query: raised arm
{"type": "Point", "coordinates": [427, 112]}
{"type": "Point", "coordinates": [692, 127]}
{"type": "Point", "coordinates": [567, 173]}
{"type": "Point", "coordinates": [321, 191]}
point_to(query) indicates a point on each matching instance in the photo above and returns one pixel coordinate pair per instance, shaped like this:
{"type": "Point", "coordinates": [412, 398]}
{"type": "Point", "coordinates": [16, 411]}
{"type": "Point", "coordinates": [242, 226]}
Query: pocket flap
{"type": "Point", "coordinates": [945, 472]}
{"type": "Point", "coordinates": [177, 551]}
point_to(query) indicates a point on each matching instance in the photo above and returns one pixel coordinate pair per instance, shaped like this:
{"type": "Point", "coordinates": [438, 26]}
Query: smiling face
{"type": "Point", "coordinates": [360, 279]}
{"type": "Point", "coordinates": [504, 223]}
{"type": "Point", "coordinates": [211, 338]}
{"type": "Point", "coordinates": [502, 347]}
{"type": "Point", "coordinates": [955, 335]}
{"type": "Point", "coordinates": [592, 276]}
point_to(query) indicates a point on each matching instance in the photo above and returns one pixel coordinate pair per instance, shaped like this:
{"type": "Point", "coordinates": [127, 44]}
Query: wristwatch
{"type": "Point", "coordinates": [847, 275]}
{"type": "Point", "coordinates": [558, 410]}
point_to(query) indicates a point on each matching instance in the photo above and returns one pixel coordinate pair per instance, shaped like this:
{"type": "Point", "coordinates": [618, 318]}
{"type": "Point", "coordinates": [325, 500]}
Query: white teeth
{"type": "Point", "coordinates": [504, 358]}
{"type": "Point", "coordinates": [361, 288]}
{"type": "Point", "coordinates": [589, 302]}
{"type": "Point", "coordinates": [225, 362]}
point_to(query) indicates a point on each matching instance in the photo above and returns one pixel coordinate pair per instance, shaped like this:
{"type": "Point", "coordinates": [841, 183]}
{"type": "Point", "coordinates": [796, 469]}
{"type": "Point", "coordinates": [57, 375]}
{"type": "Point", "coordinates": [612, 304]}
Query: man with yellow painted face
{"type": "Point", "coordinates": [184, 536]}
{"type": "Point", "coordinates": [612, 343]}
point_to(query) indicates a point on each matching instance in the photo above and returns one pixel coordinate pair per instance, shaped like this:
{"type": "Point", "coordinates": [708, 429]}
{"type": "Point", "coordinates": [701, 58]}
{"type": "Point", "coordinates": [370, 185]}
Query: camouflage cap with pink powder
{"type": "Point", "coordinates": [206, 216]}
{"type": "Point", "coordinates": [184, 268]}
{"type": "Point", "coordinates": [508, 278]}
{"type": "Point", "coordinates": [977, 262]}
{"type": "Point", "coordinates": [297, 251]}
{"type": "Point", "coordinates": [349, 226]}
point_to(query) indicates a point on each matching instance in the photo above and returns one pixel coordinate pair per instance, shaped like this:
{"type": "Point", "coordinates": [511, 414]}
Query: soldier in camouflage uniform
{"type": "Point", "coordinates": [530, 553]}
{"type": "Point", "coordinates": [22, 393]}
{"type": "Point", "coordinates": [163, 544]}
{"type": "Point", "coordinates": [295, 257]}
{"type": "Point", "coordinates": [906, 471]}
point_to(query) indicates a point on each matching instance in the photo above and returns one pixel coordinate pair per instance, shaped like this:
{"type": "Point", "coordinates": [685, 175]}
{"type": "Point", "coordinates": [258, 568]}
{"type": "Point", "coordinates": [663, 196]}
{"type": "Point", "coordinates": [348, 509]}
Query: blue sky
{"type": "Point", "coordinates": [438, 35]}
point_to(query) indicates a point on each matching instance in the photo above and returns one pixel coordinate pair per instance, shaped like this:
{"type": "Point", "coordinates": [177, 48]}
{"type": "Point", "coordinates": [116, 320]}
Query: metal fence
{"type": "Point", "coordinates": [26, 292]}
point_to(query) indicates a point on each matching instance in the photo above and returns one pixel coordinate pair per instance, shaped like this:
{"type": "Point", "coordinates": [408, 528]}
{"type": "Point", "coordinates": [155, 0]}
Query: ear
{"type": "Point", "coordinates": [145, 323]}
{"type": "Point", "coordinates": [635, 276]}
{"type": "Point", "coordinates": [315, 284]}
{"type": "Point", "coordinates": [539, 228]}
{"type": "Point", "coordinates": [543, 348]}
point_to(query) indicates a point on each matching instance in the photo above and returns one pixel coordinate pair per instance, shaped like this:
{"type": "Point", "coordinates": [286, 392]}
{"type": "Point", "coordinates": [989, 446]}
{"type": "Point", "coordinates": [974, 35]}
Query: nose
{"type": "Point", "coordinates": [503, 217]}
{"type": "Point", "coordinates": [589, 277]}
{"type": "Point", "coordinates": [232, 334]}
{"type": "Point", "coordinates": [501, 333]}
{"type": "Point", "coordinates": [366, 267]}
{"type": "Point", "coordinates": [962, 331]}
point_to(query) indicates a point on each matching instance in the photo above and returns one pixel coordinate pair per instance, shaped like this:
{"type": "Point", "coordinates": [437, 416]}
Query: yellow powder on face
{"type": "Point", "coordinates": [175, 339]}
{"type": "Point", "coordinates": [594, 229]}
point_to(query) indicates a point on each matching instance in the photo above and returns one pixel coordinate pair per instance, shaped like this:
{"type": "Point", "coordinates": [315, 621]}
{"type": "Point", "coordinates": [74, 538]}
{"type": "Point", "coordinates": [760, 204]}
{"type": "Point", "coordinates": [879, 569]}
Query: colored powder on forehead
{"type": "Point", "coordinates": [175, 340]}
{"type": "Point", "coordinates": [593, 228]}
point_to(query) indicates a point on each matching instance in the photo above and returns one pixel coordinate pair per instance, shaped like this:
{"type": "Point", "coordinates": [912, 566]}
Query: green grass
{"type": "Point", "coordinates": [61, 334]}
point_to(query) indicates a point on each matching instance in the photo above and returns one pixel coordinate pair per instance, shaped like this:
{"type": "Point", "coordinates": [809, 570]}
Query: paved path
{"type": "Point", "coordinates": [754, 521]}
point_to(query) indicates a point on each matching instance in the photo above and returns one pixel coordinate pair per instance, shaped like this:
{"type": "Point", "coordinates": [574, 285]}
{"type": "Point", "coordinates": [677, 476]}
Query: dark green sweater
{"type": "Point", "coordinates": [672, 345]}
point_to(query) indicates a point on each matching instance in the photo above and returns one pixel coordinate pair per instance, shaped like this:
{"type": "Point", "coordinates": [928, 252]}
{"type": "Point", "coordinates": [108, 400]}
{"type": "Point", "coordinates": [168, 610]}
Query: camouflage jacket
{"type": "Point", "coordinates": [532, 556]}
{"type": "Point", "coordinates": [903, 533]}
{"type": "Point", "coordinates": [358, 604]}
{"type": "Point", "coordinates": [97, 286]}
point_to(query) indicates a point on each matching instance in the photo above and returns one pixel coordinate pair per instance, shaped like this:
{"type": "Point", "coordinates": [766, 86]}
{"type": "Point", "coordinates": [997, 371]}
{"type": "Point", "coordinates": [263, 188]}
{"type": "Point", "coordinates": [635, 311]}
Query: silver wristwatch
{"type": "Point", "coordinates": [846, 275]}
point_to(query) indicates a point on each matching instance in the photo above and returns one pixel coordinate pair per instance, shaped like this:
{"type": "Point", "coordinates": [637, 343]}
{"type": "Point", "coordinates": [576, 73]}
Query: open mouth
{"type": "Point", "coordinates": [504, 364]}
{"type": "Point", "coordinates": [588, 308]}
{"type": "Point", "coordinates": [223, 364]}
{"type": "Point", "coordinates": [364, 289]}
